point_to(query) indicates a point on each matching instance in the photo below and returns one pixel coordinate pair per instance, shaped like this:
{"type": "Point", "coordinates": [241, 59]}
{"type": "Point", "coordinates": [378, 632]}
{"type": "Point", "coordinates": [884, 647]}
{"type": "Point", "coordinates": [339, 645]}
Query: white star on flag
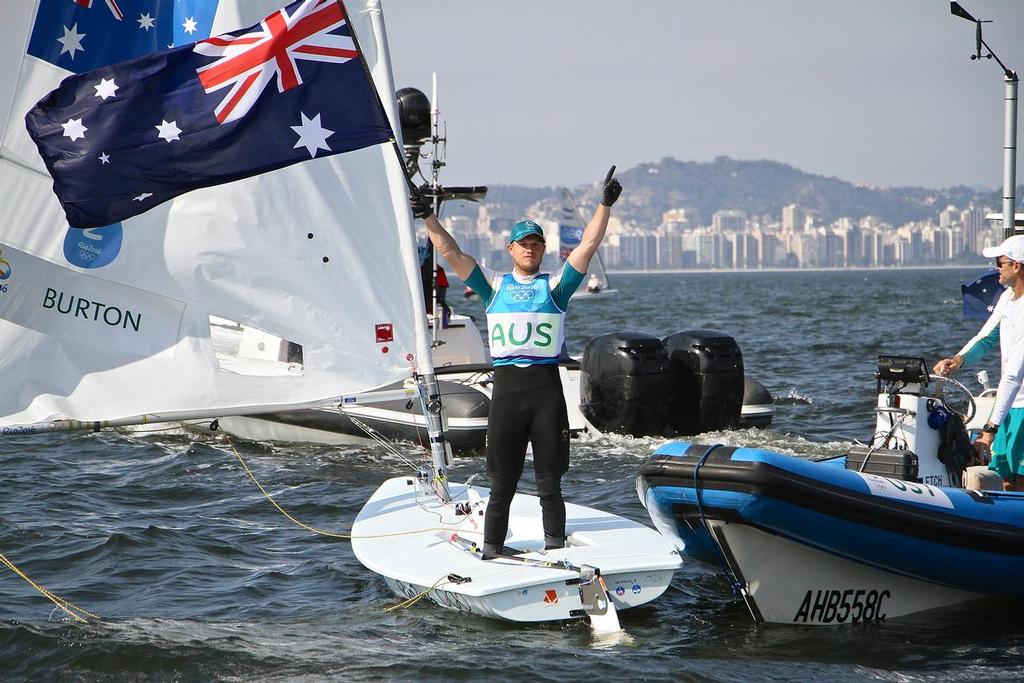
{"type": "Point", "coordinates": [74, 129]}
{"type": "Point", "coordinates": [312, 135]}
{"type": "Point", "coordinates": [104, 158]}
{"type": "Point", "coordinates": [190, 25]}
{"type": "Point", "coordinates": [71, 41]}
{"type": "Point", "coordinates": [106, 88]}
{"type": "Point", "coordinates": [168, 130]}
{"type": "Point", "coordinates": [145, 21]}
{"type": "Point", "coordinates": [991, 308]}
{"type": "Point", "coordinates": [144, 195]}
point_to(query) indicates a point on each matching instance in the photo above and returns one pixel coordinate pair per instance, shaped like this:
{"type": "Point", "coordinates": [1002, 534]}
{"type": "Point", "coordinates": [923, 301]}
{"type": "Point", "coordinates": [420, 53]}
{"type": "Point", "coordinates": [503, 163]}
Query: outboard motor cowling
{"type": "Point", "coordinates": [624, 383]}
{"type": "Point", "coordinates": [705, 381]}
{"type": "Point", "coordinates": [413, 116]}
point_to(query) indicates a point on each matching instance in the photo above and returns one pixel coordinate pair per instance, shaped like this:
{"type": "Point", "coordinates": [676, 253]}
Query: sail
{"type": "Point", "coordinates": [570, 233]}
{"type": "Point", "coordinates": [130, 318]}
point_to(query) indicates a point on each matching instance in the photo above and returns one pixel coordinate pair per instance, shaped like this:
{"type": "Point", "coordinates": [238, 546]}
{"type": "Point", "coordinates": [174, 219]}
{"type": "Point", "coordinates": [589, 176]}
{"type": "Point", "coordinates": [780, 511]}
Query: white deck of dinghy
{"type": "Point", "coordinates": [613, 544]}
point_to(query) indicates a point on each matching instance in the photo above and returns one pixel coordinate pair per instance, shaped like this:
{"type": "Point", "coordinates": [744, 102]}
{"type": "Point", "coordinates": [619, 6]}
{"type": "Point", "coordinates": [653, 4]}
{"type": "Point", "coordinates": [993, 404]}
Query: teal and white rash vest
{"type": "Point", "coordinates": [1005, 328]}
{"type": "Point", "coordinates": [525, 315]}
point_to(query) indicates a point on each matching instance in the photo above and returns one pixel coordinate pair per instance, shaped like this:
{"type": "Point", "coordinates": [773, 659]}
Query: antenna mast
{"type": "Point", "coordinates": [1009, 120]}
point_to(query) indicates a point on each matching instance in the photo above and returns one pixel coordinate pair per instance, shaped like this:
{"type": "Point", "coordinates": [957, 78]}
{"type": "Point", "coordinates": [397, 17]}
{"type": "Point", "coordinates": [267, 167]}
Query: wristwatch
{"type": "Point", "coordinates": [990, 428]}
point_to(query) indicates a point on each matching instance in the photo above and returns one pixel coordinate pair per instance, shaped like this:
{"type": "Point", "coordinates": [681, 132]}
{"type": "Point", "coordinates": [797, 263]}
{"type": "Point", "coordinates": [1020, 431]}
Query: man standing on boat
{"type": "Point", "coordinates": [526, 330]}
{"type": "Point", "coordinates": [1003, 434]}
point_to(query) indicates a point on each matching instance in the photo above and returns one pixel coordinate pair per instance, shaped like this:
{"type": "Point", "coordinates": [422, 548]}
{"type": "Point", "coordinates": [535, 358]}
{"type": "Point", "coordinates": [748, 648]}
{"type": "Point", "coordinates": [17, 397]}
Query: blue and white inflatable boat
{"type": "Point", "coordinates": [882, 532]}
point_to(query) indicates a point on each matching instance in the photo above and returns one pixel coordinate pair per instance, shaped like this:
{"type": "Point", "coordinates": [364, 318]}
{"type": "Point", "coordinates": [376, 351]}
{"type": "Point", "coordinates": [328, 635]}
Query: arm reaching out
{"type": "Point", "coordinates": [580, 257]}
{"type": "Point", "coordinates": [445, 245]}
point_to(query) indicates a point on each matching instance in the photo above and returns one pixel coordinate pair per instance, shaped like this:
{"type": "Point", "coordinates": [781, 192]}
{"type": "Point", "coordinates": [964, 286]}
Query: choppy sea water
{"type": "Point", "coordinates": [197, 577]}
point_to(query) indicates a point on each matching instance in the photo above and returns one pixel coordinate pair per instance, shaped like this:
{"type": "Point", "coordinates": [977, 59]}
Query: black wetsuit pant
{"type": "Point", "coordinates": [526, 405]}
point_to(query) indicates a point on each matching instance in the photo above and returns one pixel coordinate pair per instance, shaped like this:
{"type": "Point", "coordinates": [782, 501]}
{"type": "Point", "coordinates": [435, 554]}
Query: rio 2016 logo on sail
{"type": "Point", "coordinates": [92, 248]}
{"type": "Point", "coordinates": [5, 273]}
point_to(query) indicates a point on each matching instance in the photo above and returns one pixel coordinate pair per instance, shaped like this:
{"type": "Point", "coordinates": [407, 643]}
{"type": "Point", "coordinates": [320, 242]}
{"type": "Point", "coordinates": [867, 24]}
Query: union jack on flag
{"type": "Point", "coordinates": [125, 137]}
{"type": "Point", "coordinates": [114, 9]}
{"type": "Point", "coordinates": [246, 63]}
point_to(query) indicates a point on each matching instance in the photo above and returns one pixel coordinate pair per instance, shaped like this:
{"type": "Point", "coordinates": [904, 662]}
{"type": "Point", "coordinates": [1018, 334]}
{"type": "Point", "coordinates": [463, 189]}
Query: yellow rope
{"type": "Point", "coordinates": [321, 532]}
{"type": "Point", "coordinates": [73, 610]}
{"type": "Point", "coordinates": [416, 598]}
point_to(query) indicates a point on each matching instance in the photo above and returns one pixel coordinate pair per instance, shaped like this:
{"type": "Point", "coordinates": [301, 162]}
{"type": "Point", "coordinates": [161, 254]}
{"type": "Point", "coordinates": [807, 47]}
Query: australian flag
{"type": "Point", "coordinates": [122, 138]}
{"type": "Point", "coordinates": [980, 294]}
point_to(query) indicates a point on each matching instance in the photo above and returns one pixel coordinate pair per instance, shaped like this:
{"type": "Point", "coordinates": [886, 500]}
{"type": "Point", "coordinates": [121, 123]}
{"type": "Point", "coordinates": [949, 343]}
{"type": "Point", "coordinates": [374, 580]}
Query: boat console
{"type": "Point", "coordinates": [918, 436]}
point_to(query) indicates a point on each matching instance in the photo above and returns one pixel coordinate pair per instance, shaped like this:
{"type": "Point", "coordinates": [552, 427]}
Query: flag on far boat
{"type": "Point", "coordinates": [980, 294]}
{"type": "Point", "coordinates": [122, 138]}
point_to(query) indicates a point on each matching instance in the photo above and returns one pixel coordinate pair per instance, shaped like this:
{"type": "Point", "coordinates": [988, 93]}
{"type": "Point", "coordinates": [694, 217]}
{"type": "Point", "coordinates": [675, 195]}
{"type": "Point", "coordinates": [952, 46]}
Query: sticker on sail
{"type": "Point", "coordinates": [92, 247]}
{"type": "Point", "coordinates": [905, 490]}
{"type": "Point", "coordinates": [385, 332]}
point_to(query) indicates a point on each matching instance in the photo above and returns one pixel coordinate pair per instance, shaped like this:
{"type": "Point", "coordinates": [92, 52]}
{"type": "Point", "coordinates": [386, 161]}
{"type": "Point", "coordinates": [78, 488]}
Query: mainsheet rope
{"type": "Point", "coordinates": [70, 608]}
{"type": "Point", "coordinates": [82, 615]}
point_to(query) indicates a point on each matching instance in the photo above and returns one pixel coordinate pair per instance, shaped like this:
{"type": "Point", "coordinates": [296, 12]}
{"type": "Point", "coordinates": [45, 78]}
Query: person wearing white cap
{"type": "Point", "coordinates": [526, 330]}
{"type": "Point", "coordinates": [1002, 437]}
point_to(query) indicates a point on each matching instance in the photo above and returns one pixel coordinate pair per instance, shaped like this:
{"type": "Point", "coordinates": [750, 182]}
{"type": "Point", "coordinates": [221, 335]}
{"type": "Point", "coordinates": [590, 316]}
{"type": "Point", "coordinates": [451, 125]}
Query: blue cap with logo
{"type": "Point", "coordinates": [524, 229]}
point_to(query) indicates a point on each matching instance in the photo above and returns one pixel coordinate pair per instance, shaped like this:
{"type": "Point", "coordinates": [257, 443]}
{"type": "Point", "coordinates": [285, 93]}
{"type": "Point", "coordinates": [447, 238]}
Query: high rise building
{"type": "Point", "coordinates": [793, 218]}
{"type": "Point", "coordinates": [729, 219]}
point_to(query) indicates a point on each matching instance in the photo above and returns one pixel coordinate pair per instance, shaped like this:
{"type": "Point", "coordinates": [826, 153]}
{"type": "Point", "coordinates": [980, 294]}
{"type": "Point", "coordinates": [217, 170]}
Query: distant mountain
{"type": "Point", "coordinates": [754, 187]}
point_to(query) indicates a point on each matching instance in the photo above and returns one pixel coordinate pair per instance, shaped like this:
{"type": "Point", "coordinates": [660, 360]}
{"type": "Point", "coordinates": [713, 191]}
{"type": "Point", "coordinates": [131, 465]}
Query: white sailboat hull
{"type": "Point", "coordinates": [584, 295]}
{"type": "Point", "coordinates": [416, 542]}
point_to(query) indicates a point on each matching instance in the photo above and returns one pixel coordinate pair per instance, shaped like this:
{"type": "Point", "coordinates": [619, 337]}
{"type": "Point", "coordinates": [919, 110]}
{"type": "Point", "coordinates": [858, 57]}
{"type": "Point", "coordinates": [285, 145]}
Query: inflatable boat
{"type": "Point", "coordinates": [884, 531]}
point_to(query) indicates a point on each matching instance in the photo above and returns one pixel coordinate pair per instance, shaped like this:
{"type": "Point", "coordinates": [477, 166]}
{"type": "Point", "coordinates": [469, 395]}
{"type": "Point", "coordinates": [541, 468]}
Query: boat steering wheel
{"type": "Point", "coordinates": [972, 407]}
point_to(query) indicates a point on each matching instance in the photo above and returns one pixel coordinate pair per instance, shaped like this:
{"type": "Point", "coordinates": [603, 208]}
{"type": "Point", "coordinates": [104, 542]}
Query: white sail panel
{"type": "Point", "coordinates": [15, 20]}
{"type": "Point", "coordinates": [35, 80]}
{"type": "Point", "coordinates": [309, 253]}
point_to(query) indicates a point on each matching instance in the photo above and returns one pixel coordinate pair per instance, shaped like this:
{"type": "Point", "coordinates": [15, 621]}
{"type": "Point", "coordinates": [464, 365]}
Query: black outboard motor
{"type": "Point", "coordinates": [624, 383]}
{"type": "Point", "coordinates": [413, 116]}
{"type": "Point", "coordinates": [706, 381]}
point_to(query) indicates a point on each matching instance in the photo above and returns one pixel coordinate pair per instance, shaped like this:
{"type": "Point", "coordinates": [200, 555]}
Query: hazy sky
{"type": "Point", "coordinates": [551, 92]}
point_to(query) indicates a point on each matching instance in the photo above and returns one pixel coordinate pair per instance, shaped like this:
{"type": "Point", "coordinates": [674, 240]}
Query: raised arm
{"type": "Point", "coordinates": [580, 257]}
{"type": "Point", "coordinates": [445, 245]}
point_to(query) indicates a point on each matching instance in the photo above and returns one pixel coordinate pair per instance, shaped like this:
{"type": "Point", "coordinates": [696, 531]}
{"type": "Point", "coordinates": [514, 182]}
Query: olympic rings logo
{"type": "Point", "coordinates": [520, 296]}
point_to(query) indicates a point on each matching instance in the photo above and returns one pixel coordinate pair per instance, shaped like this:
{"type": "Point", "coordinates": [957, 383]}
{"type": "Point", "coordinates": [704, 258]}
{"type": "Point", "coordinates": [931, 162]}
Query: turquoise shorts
{"type": "Point", "coordinates": [1008, 446]}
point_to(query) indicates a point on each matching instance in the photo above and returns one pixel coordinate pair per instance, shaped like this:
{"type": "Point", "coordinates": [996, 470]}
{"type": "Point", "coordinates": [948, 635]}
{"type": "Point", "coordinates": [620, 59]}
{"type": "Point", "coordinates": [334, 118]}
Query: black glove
{"type": "Point", "coordinates": [421, 206]}
{"type": "Point", "coordinates": [612, 188]}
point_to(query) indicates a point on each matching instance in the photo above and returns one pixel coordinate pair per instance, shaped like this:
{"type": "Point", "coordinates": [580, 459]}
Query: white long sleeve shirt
{"type": "Point", "coordinates": [1006, 327]}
